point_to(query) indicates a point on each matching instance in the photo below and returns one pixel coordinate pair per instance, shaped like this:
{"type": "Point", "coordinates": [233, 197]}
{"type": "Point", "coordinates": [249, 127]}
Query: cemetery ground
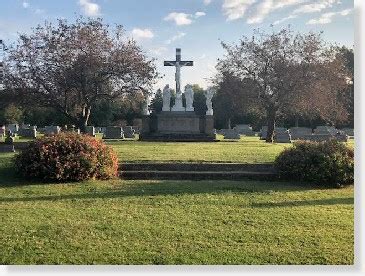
{"type": "Point", "coordinates": [176, 222]}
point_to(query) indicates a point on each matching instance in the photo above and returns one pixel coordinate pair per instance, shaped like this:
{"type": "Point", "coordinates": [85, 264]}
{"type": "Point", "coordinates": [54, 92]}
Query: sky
{"type": "Point", "coordinates": [195, 26]}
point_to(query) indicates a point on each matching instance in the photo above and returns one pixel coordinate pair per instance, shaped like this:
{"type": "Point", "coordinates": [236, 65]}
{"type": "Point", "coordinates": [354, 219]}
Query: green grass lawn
{"type": "Point", "coordinates": [246, 150]}
{"type": "Point", "coordinates": [173, 222]}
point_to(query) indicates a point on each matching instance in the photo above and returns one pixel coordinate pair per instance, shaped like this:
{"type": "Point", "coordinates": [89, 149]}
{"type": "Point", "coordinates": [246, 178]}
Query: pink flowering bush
{"type": "Point", "coordinates": [67, 157]}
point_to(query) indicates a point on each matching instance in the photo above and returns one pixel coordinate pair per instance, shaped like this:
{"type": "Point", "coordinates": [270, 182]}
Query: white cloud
{"type": "Point", "coordinates": [327, 17]}
{"type": "Point", "coordinates": [284, 19]}
{"type": "Point", "coordinates": [139, 34]}
{"type": "Point", "coordinates": [257, 10]}
{"type": "Point", "coordinates": [199, 14]}
{"type": "Point", "coordinates": [180, 18]}
{"type": "Point", "coordinates": [25, 5]}
{"type": "Point", "coordinates": [345, 12]}
{"type": "Point", "coordinates": [285, 3]}
{"type": "Point", "coordinates": [158, 51]}
{"type": "Point", "coordinates": [175, 37]}
{"type": "Point", "coordinates": [89, 8]}
{"type": "Point", "coordinates": [235, 9]}
{"type": "Point", "coordinates": [316, 7]}
{"type": "Point", "coordinates": [207, 2]}
{"type": "Point", "coordinates": [262, 10]}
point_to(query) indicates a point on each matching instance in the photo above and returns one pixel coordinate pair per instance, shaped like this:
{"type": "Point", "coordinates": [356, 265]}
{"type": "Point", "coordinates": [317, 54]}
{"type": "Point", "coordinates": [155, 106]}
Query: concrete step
{"type": "Point", "coordinates": [197, 167]}
{"type": "Point", "coordinates": [198, 175]}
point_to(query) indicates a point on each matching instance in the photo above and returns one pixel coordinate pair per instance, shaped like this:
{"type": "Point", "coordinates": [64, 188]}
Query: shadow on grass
{"type": "Point", "coordinates": [176, 188]}
{"type": "Point", "coordinates": [329, 201]}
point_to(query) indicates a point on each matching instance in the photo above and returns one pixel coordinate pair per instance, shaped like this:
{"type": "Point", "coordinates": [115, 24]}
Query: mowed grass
{"type": "Point", "coordinates": [173, 222]}
{"type": "Point", "coordinates": [246, 150]}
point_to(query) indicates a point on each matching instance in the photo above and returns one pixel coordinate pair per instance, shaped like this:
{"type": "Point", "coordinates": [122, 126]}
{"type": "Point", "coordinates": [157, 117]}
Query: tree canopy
{"type": "Point", "coordinates": [285, 72]}
{"type": "Point", "coordinates": [72, 66]}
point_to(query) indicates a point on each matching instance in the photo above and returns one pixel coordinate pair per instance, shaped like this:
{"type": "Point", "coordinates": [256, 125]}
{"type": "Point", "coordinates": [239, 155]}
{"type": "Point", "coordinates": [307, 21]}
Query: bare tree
{"type": "Point", "coordinates": [71, 66]}
{"type": "Point", "coordinates": [287, 71]}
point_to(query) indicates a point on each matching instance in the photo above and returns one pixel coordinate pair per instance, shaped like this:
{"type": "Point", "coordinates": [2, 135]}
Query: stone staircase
{"type": "Point", "coordinates": [197, 171]}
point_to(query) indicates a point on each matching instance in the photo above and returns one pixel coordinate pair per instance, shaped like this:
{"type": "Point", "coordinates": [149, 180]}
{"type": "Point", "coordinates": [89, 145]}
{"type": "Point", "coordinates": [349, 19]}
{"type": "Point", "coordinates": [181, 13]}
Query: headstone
{"type": "Point", "coordinates": [244, 130]}
{"type": "Point", "coordinates": [90, 130]}
{"type": "Point", "coordinates": [14, 128]}
{"type": "Point", "coordinates": [72, 128]}
{"type": "Point", "coordinates": [52, 130]}
{"type": "Point", "coordinates": [231, 134]}
{"type": "Point", "coordinates": [263, 133]}
{"type": "Point", "coordinates": [325, 130]}
{"type": "Point", "coordinates": [113, 132]}
{"type": "Point", "coordinates": [29, 132]}
{"type": "Point", "coordinates": [282, 135]}
{"type": "Point", "coordinates": [128, 132]}
{"type": "Point", "coordinates": [348, 131]}
{"type": "Point", "coordinates": [325, 137]}
{"type": "Point", "coordinates": [299, 133]}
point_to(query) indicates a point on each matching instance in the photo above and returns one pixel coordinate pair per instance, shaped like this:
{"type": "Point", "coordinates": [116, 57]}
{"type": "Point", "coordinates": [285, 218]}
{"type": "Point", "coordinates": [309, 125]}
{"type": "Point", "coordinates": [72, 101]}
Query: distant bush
{"type": "Point", "coordinates": [67, 157]}
{"type": "Point", "coordinates": [328, 163]}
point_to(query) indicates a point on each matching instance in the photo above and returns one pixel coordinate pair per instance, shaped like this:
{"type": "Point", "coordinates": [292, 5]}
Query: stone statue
{"type": "Point", "coordinates": [146, 105]}
{"type": "Point", "coordinates": [166, 96]}
{"type": "Point", "coordinates": [209, 95]}
{"type": "Point", "coordinates": [189, 96]}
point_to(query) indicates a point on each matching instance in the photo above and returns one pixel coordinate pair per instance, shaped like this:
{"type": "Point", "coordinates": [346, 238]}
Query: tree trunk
{"type": "Point", "coordinates": [271, 118]}
{"type": "Point", "coordinates": [229, 123]}
{"type": "Point", "coordinates": [84, 119]}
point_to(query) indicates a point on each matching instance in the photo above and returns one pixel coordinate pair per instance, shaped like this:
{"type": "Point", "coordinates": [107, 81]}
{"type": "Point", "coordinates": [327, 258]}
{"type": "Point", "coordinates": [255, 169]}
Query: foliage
{"type": "Point", "coordinates": [12, 114]}
{"type": "Point", "coordinates": [283, 72]}
{"type": "Point", "coordinates": [156, 102]}
{"type": "Point", "coordinates": [325, 163]}
{"type": "Point", "coordinates": [67, 157]}
{"type": "Point", "coordinates": [71, 66]}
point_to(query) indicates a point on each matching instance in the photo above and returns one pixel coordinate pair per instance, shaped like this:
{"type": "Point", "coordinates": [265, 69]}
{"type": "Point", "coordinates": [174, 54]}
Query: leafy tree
{"type": "Point", "coordinates": [285, 71]}
{"type": "Point", "coordinates": [347, 55]}
{"type": "Point", "coordinates": [157, 102]}
{"type": "Point", "coordinates": [13, 114]}
{"type": "Point", "coordinates": [72, 66]}
{"type": "Point", "coordinates": [199, 104]}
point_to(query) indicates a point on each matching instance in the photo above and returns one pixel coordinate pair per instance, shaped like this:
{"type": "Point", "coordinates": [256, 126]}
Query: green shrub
{"type": "Point", "coordinates": [328, 163]}
{"type": "Point", "coordinates": [67, 157]}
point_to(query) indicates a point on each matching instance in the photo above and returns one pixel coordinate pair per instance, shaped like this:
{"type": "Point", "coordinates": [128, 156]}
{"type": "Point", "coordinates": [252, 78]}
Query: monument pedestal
{"type": "Point", "coordinates": [177, 126]}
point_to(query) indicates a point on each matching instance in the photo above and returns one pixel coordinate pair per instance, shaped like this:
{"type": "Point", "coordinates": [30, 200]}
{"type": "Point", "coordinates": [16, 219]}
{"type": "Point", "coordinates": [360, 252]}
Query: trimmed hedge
{"type": "Point", "coordinates": [67, 157]}
{"type": "Point", "coordinates": [329, 163]}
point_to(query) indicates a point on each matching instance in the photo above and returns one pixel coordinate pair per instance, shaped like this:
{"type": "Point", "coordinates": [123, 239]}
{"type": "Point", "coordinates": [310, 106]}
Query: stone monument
{"type": "Point", "coordinates": [189, 97]}
{"type": "Point", "coordinates": [209, 95]}
{"type": "Point", "coordinates": [179, 123]}
{"type": "Point", "coordinates": [166, 97]}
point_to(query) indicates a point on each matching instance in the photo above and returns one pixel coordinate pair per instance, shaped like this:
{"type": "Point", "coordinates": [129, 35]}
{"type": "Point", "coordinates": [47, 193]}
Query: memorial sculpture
{"type": "Point", "coordinates": [179, 123]}
{"type": "Point", "coordinates": [209, 96]}
{"type": "Point", "coordinates": [166, 97]}
{"type": "Point", "coordinates": [189, 97]}
{"type": "Point", "coordinates": [146, 104]}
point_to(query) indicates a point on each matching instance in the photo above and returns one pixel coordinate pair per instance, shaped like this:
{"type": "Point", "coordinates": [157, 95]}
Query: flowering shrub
{"type": "Point", "coordinates": [67, 157]}
{"type": "Point", "coordinates": [328, 163]}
